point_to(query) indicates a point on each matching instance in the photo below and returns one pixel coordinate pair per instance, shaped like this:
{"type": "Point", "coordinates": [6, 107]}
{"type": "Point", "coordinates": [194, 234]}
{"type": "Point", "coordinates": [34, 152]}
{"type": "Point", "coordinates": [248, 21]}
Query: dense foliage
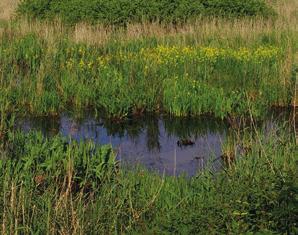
{"type": "Point", "coordinates": [59, 186]}
{"type": "Point", "coordinates": [127, 11]}
{"type": "Point", "coordinates": [53, 186]}
{"type": "Point", "coordinates": [123, 79]}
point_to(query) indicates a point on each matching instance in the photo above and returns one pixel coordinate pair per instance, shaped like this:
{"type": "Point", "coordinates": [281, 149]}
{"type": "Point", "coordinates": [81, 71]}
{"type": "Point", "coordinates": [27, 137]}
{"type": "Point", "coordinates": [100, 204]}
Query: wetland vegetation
{"type": "Point", "coordinates": [122, 12]}
{"type": "Point", "coordinates": [233, 61]}
{"type": "Point", "coordinates": [48, 185]}
{"type": "Point", "coordinates": [43, 78]}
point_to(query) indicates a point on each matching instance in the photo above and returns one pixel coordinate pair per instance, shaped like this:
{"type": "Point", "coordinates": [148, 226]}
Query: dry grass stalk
{"type": "Point", "coordinates": [201, 29]}
{"type": "Point", "coordinates": [7, 8]}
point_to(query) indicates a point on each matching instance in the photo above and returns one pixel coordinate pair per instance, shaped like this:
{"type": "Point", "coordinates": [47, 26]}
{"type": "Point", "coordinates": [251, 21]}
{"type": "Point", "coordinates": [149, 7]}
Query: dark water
{"type": "Point", "coordinates": [150, 141]}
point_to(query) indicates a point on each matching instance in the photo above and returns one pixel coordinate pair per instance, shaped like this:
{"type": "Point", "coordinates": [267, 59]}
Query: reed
{"type": "Point", "coordinates": [202, 58]}
{"type": "Point", "coordinates": [201, 28]}
{"type": "Point", "coordinates": [59, 186]}
{"type": "Point", "coordinates": [234, 69]}
{"type": "Point", "coordinates": [45, 77]}
{"type": "Point", "coordinates": [7, 9]}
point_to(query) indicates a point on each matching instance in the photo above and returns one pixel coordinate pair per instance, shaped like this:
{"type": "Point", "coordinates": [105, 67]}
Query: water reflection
{"type": "Point", "coordinates": [150, 140]}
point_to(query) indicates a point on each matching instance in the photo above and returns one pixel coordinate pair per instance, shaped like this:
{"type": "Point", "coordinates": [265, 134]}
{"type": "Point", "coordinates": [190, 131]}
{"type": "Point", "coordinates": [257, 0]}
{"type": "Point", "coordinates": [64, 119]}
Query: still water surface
{"type": "Point", "coordinates": [149, 141]}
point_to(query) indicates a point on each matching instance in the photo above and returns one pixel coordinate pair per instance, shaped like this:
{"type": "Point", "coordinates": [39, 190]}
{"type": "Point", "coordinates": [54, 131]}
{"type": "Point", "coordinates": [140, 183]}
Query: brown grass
{"type": "Point", "coordinates": [7, 8]}
{"type": "Point", "coordinates": [247, 29]}
{"type": "Point", "coordinates": [201, 29]}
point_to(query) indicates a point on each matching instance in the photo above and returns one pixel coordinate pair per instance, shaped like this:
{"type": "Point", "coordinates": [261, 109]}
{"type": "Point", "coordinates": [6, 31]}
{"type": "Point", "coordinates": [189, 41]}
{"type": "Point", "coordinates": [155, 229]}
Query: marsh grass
{"type": "Point", "coordinates": [56, 186]}
{"type": "Point", "coordinates": [45, 77]}
{"type": "Point", "coordinates": [201, 28]}
{"type": "Point", "coordinates": [51, 186]}
{"type": "Point", "coordinates": [7, 9]}
{"type": "Point", "coordinates": [51, 79]}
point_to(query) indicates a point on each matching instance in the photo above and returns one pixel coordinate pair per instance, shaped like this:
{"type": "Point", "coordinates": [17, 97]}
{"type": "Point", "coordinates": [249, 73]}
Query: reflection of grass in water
{"type": "Point", "coordinates": [193, 127]}
{"type": "Point", "coordinates": [78, 188]}
{"type": "Point", "coordinates": [50, 186]}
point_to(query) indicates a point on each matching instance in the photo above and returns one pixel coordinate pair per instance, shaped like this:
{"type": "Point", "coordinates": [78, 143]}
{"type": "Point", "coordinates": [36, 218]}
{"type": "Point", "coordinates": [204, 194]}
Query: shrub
{"type": "Point", "coordinates": [119, 12]}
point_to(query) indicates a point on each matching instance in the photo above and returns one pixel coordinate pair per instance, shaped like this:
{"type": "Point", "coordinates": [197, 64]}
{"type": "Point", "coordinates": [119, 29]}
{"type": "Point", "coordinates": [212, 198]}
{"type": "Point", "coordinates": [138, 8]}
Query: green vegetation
{"type": "Point", "coordinates": [50, 185]}
{"type": "Point", "coordinates": [227, 58]}
{"type": "Point", "coordinates": [119, 12]}
{"type": "Point", "coordinates": [145, 75]}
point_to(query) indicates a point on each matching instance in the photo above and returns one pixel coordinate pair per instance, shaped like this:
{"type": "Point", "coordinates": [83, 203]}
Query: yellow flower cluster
{"type": "Point", "coordinates": [243, 54]}
{"type": "Point", "coordinates": [172, 55]}
{"type": "Point", "coordinates": [266, 52]}
{"type": "Point", "coordinates": [166, 54]}
{"type": "Point", "coordinates": [260, 54]}
{"type": "Point", "coordinates": [125, 56]}
{"type": "Point", "coordinates": [83, 63]}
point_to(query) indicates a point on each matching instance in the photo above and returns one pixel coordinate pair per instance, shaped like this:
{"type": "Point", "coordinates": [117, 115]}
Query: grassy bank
{"type": "Point", "coordinates": [50, 186]}
{"type": "Point", "coordinates": [224, 67]}
{"type": "Point", "coordinates": [228, 67]}
{"type": "Point", "coordinates": [172, 75]}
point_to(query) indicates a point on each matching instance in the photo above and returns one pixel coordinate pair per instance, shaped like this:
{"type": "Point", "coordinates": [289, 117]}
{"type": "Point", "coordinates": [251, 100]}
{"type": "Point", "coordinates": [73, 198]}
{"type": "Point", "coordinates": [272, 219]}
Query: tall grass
{"type": "Point", "coordinates": [182, 78]}
{"type": "Point", "coordinates": [225, 67]}
{"type": "Point", "coordinates": [120, 71]}
{"type": "Point", "coordinates": [7, 8]}
{"type": "Point", "coordinates": [246, 28]}
{"type": "Point", "coordinates": [53, 186]}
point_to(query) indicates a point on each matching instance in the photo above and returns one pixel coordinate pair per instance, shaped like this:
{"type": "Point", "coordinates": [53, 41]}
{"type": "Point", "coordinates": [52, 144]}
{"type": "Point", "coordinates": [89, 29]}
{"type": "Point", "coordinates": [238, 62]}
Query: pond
{"type": "Point", "coordinates": [168, 145]}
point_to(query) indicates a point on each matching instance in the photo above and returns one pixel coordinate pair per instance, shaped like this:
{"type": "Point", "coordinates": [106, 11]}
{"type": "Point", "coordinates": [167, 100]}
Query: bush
{"type": "Point", "coordinates": [119, 12]}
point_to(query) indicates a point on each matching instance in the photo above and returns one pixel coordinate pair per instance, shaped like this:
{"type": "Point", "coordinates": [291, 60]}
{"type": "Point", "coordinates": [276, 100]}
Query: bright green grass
{"type": "Point", "coordinates": [224, 78]}
{"type": "Point", "coordinates": [50, 186]}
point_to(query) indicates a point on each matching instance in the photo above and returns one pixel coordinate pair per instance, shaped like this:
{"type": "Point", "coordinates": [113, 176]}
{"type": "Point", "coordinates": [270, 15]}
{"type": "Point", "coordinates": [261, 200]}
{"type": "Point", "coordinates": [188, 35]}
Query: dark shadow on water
{"type": "Point", "coordinates": [150, 141]}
